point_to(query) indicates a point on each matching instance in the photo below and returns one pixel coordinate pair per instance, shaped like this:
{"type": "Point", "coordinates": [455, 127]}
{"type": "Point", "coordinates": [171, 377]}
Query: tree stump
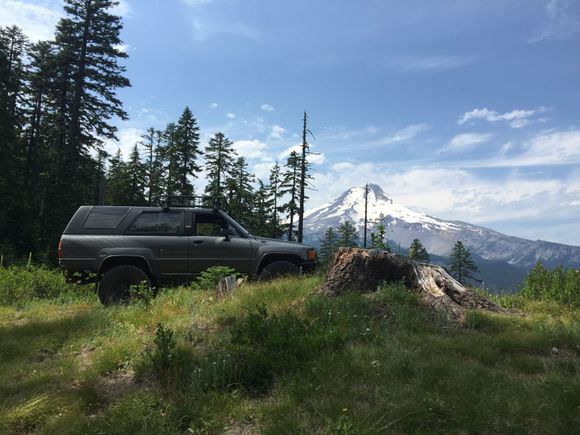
{"type": "Point", "coordinates": [227, 285]}
{"type": "Point", "coordinates": [361, 270]}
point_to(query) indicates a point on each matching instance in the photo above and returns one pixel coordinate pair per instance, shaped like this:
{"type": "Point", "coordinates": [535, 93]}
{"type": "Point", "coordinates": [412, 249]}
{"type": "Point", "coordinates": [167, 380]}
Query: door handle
{"type": "Point", "coordinates": [198, 242]}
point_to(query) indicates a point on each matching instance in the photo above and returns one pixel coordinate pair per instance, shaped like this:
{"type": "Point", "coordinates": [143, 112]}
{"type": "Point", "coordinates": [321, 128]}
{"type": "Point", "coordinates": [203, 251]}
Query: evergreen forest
{"type": "Point", "coordinates": [58, 106]}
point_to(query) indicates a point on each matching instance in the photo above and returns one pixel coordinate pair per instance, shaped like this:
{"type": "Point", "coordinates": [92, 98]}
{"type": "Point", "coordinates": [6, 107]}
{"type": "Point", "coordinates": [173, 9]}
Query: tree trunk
{"type": "Point", "coordinates": [361, 270]}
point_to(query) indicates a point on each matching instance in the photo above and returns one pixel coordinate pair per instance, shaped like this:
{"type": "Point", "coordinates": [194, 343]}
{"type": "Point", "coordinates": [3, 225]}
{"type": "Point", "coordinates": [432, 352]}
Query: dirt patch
{"type": "Point", "coordinates": [241, 429]}
{"type": "Point", "coordinates": [116, 385]}
{"type": "Point", "coordinates": [84, 357]}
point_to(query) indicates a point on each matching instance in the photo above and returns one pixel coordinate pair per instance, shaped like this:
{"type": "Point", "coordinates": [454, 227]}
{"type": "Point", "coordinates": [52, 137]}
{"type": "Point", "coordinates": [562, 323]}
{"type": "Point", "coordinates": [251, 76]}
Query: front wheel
{"type": "Point", "coordinates": [113, 288]}
{"type": "Point", "coordinates": [278, 269]}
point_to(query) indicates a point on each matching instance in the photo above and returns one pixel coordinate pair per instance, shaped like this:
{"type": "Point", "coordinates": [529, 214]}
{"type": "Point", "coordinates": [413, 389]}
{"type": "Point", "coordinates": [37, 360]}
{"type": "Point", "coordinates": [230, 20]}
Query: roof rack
{"type": "Point", "coordinates": [167, 201]}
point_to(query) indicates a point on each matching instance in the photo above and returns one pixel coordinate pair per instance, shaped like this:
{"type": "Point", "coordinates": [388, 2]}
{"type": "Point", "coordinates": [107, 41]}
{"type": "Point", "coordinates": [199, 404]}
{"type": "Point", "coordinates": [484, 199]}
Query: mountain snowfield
{"type": "Point", "coordinates": [437, 235]}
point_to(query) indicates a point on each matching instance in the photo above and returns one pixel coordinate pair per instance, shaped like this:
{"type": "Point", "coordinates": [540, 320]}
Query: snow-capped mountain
{"type": "Point", "coordinates": [437, 235]}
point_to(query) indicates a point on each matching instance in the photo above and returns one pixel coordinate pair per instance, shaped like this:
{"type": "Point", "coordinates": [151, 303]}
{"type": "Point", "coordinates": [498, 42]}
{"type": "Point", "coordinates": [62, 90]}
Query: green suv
{"type": "Point", "coordinates": [121, 246]}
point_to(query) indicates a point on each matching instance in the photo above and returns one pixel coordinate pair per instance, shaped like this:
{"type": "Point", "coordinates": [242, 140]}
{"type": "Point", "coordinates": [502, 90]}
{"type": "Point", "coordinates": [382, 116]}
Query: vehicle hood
{"type": "Point", "coordinates": [284, 244]}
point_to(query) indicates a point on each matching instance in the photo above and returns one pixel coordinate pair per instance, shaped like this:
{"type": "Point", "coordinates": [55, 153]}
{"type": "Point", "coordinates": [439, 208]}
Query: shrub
{"type": "Point", "coordinates": [142, 292]}
{"type": "Point", "coordinates": [19, 284]}
{"type": "Point", "coordinates": [559, 284]}
{"type": "Point", "coordinates": [163, 353]}
{"type": "Point", "coordinates": [210, 278]}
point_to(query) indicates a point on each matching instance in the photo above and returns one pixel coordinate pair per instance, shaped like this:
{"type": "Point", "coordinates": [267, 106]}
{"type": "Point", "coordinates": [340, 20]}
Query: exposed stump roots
{"type": "Point", "coordinates": [361, 270]}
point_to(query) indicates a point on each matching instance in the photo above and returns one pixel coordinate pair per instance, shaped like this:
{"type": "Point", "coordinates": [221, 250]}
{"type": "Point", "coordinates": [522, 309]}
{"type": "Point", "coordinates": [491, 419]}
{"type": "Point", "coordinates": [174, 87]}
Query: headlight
{"type": "Point", "coordinates": [311, 254]}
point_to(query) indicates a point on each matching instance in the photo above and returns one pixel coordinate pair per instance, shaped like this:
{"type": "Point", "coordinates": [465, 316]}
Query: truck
{"type": "Point", "coordinates": [121, 246]}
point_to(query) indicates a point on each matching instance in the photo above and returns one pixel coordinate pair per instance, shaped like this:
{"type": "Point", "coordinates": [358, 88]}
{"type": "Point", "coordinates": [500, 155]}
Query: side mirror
{"type": "Point", "coordinates": [226, 232]}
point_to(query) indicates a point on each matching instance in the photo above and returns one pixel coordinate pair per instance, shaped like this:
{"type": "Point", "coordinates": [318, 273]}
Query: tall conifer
{"type": "Point", "coordinates": [461, 264]}
{"type": "Point", "coordinates": [186, 152]}
{"type": "Point", "coordinates": [219, 158]}
{"type": "Point", "coordinates": [291, 186]}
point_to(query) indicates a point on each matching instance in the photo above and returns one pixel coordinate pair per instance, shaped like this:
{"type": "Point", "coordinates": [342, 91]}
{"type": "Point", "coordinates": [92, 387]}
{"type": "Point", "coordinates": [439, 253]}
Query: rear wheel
{"type": "Point", "coordinates": [278, 269]}
{"type": "Point", "coordinates": [113, 288]}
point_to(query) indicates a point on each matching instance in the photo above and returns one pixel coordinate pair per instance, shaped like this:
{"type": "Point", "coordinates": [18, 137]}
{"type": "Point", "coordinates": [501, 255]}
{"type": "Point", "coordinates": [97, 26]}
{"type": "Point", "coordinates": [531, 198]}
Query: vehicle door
{"type": "Point", "coordinates": [208, 247]}
{"type": "Point", "coordinates": [162, 231]}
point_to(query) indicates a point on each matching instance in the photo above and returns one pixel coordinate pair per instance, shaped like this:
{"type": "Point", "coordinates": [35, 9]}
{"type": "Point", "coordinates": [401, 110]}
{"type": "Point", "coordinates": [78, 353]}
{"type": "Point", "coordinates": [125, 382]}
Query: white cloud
{"type": "Point", "coordinates": [419, 64]}
{"type": "Point", "coordinates": [506, 148]}
{"type": "Point", "coordinates": [276, 132]}
{"type": "Point", "coordinates": [252, 149]}
{"type": "Point", "coordinates": [549, 148]}
{"type": "Point", "coordinates": [465, 141]}
{"type": "Point", "coordinates": [262, 170]}
{"type": "Point", "coordinates": [314, 158]}
{"type": "Point", "coordinates": [334, 134]}
{"type": "Point", "coordinates": [128, 137]}
{"type": "Point", "coordinates": [267, 107]}
{"type": "Point", "coordinates": [123, 9]}
{"type": "Point", "coordinates": [195, 3]}
{"type": "Point", "coordinates": [213, 105]}
{"type": "Point", "coordinates": [148, 116]}
{"type": "Point", "coordinates": [124, 48]}
{"type": "Point", "coordinates": [405, 134]}
{"type": "Point", "coordinates": [545, 149]}
{"type": "Point", "coordinates": [560, 23]}
{"type": "Point", "coordinates": [38, 22]}
{"type": "Point", "coordinates": [284, 154]}
{"type": "Point", "coordinates": [231, 115]}
{"type": "Point", "coordinates": [369, 137]}
{"type": "Point", "coordinates": [203, 30]}
{"type": "Point", "coordinates": [515, 118]}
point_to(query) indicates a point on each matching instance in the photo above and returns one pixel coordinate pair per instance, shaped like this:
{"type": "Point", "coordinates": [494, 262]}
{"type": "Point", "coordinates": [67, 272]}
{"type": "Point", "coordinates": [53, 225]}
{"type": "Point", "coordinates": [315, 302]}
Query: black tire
{"type": "Point", "coordinates": [113, 288]}
{"type": "Point", "coordinates": [278, 269]}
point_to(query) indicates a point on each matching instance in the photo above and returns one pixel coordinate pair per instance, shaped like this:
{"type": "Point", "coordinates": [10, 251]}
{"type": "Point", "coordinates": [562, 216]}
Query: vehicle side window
{"type": "Point", "coordinates": [158, 223]}
{"type": "Point", "coordinates": [210, 224]}
{"type": "Point", "coordinates": [105, 217]}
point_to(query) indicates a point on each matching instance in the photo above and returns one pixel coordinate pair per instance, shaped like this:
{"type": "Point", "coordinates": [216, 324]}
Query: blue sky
{"type": "Point", "coordinates": [465, 110]}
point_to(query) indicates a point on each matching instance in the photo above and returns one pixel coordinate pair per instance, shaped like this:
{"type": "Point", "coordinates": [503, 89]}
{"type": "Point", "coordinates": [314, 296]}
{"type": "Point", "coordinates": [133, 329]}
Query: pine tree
{"type": "Point", "coordinates": [152, 141]}
{"type": "Point", "coordinates": [240, 192]}
{"type": "Point", "coordinates": [136, 174]}
{"type": "Point", "coordinates": [460, 263]}
{"type": "Point", "coordinates": [328, 246]}
{"type": "Point", "coordinates": [186, 152]}
{"type": "Point", "coordinates": [81, 102]}
{"type": "Point", "coordinates": [347, 235]}
{"type": "Point", "coordinates": [275, 194]}
{"type": "Point", "coordinates": [291, 186]}
{"type": "Point", "coordinates": [101, 177]}
{"type": "Point", "coordinates": [304, 177]}
{"type": "Point", "coordinates": [259, 218]}
{"type": "Point", "coordinates": [379, 236]}
{"type": "Point", "coordinates": [417, 251]}
{"type": "Point", "coordinates": [13, 48]}
{"type": "Point", "coordinates": [37, 106]}
{"type": "Point", "coordinates": [219, 158]}
{"type": "Point", "coordinates": [14, 211]}
{"type": "Point", "coordinates": [118, 181]}
{"type": "Point", "coordinates": [170, 157]}
{"type": "Point", "coordinates": [88, 38]}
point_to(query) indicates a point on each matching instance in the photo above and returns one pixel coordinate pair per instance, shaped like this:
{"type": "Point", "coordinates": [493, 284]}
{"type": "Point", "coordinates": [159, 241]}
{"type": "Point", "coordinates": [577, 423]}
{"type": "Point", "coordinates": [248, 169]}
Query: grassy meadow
{"type": "Point", "coordinates": [277, 358]}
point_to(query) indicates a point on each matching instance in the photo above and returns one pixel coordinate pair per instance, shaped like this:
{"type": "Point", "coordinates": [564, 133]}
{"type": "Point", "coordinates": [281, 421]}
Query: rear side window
{"type": "Point", "coordinates": [158, 223]}
{"type": "Point", "coordinates": [105, 217]}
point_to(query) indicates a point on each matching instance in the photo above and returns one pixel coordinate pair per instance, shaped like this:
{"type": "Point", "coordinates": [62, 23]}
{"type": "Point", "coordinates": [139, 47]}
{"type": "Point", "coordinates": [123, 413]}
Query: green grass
{"type": "Point", "coordinates": [277, 358]}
